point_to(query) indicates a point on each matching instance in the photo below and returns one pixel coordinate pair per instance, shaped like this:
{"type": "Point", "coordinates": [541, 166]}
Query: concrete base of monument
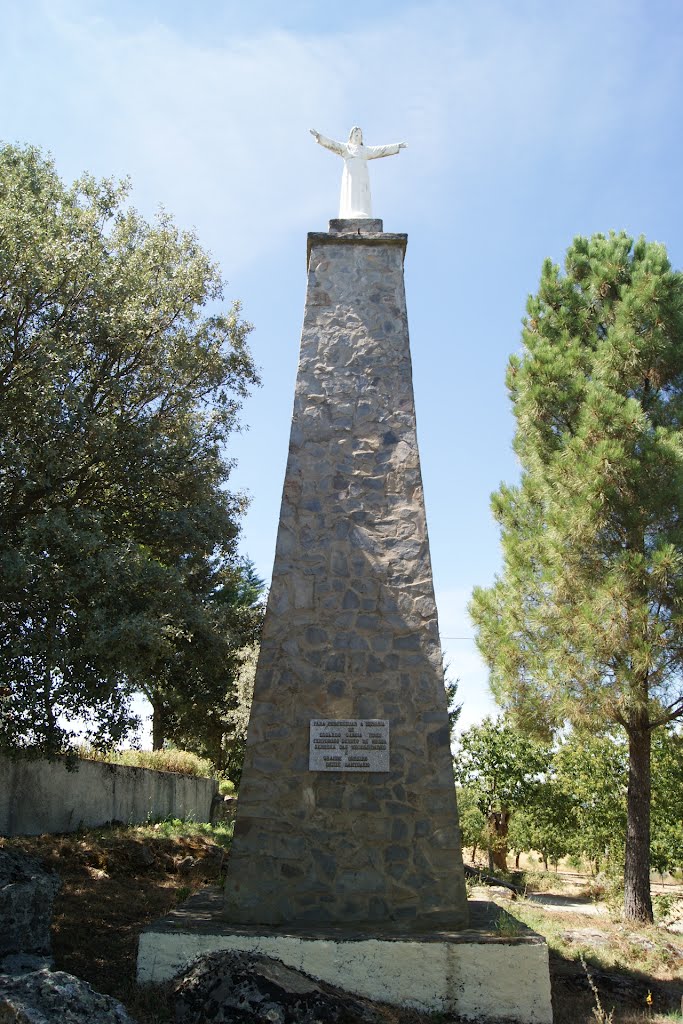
{"type": "Point", "coordinates": [478, 973]}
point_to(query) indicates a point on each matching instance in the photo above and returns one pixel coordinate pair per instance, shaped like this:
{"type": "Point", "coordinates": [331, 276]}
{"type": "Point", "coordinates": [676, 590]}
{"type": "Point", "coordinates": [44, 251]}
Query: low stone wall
{"type": "Point", "coordinates": [42, 796]}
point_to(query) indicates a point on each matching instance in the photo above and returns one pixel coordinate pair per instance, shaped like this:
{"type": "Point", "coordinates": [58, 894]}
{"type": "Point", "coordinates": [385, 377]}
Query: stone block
{"type": "Point", "coordinates": [42, 997]}
{"type": "Point", "coordinates": [474, 974]}
{"type": "Point", "coordinates": [27, 893]}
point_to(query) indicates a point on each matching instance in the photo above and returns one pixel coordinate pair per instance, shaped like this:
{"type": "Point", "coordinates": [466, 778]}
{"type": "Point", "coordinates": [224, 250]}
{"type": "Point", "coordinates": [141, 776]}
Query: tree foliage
{"type": "Point", "coordinates": [118, 392]}
{"type": "Point", "coordinates": [569, 799]}
{"type": "Point", "coordinates": [502, 767]}
{"type": "Point", "coordinates": [546, 823]}
{"type": "Point", "coordinates": [666, 846]}
{"type": "Point", "coordinates": [592, 773]}
{"type": "Point", "coordinates": [237, 716]}
{"type": "Point", "coordinates": [213, 721]}
{"type": "Point", "coordinates": [584, 624]}
{"type": "Point", "coordinates": [473, 825]}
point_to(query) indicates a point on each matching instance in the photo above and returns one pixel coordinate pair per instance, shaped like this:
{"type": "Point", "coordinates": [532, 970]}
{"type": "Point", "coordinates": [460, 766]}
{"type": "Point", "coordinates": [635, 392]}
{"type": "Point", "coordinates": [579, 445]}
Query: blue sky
{"type": "Point", "coordinates": [527, 123]}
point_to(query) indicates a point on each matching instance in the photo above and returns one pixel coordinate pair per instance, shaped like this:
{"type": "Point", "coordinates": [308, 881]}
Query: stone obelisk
{"type": "Point", "coordinates": [347, 811]}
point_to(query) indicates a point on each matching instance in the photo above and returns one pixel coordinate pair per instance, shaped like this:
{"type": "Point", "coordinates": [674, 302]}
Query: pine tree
{"type": "Point", "coordinates": [585, 622]}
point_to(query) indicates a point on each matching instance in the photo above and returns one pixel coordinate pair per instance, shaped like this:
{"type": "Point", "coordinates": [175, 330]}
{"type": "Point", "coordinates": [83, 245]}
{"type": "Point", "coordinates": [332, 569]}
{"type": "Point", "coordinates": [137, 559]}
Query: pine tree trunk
{"type": "Point", "coordinates": [637, 900]}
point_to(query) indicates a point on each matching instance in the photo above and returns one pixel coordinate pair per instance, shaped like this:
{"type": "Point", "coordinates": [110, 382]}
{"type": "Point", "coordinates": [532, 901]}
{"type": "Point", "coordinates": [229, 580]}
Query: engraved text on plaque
{"type": "Point", "coordinates": [349, 745]}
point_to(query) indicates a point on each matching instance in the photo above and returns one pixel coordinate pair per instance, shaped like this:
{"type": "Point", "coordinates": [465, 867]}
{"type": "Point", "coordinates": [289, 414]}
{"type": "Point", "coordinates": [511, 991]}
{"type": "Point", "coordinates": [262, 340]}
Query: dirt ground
{"type": "Point", "coordinates": [114, 882]}
{"type": "Point", "coordinates": [636, 971]}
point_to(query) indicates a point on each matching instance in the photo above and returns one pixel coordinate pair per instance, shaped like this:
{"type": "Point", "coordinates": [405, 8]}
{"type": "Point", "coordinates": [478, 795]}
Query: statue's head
{"type": "Point", "coordinates": [356, 136]}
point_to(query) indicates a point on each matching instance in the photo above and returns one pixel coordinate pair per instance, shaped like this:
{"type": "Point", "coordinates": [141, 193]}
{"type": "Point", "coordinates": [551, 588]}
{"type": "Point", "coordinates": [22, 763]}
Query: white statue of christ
{"type": "Point", "coordinates": [355, 200]}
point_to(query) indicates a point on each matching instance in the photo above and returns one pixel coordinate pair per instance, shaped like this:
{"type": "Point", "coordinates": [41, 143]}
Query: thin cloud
{"type": "Point", "coordinates": [218, 129]}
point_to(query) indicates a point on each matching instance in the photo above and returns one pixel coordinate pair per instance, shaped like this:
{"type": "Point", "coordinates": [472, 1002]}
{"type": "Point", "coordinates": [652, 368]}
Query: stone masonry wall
{"type": "Point", "coordinates": [351, 630]}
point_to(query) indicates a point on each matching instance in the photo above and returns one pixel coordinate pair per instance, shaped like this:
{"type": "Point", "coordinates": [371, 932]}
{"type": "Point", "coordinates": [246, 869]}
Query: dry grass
{"type": "Point", "coordinates": [636, 971]}
{"type": "Point", "coordinates": [181, 761]}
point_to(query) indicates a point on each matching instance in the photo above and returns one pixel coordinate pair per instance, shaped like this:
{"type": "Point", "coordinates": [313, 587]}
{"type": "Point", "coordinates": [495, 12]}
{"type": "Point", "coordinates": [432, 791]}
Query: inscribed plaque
{"type": "Point", "coordinates": [349, 745]}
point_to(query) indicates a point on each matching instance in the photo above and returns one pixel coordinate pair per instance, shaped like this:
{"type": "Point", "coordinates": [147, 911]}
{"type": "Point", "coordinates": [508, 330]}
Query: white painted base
{"type": "Point", "coordinates": [478, 976]}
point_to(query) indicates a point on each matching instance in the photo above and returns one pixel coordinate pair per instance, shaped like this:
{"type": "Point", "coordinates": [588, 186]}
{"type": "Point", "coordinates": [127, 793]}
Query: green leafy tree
{"type": "Point", "coordinates": [587, 791]}
{"type": "Point", "coordinates": [584, 624]}
{"type": "Point", "coordinates": [473, 825]}
{"type": "Point", "coordinates": [545, 823]}
{"type": "Point", "coordinates": [503, 767]}
{"type": "Point", "coordinates": [237, 718]}
{"type": "Point", "coordinates": [667, 800]}
{"type": "Point", "coordinates": [118, 392]}
{"type": "Point", "coordinates": [592, 773]}
{"type": "Point", "coordinates": [201, 695]}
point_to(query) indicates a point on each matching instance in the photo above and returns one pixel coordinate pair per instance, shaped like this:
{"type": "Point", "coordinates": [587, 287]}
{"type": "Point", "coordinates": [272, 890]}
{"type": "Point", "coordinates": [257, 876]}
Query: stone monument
{"type": "Point", "coordinates": [346, 809]}
{"type": "Point", "coordinates": [346, 858]}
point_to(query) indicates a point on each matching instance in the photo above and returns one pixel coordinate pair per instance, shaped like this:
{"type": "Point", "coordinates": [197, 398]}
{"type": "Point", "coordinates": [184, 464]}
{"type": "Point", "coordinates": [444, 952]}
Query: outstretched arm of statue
{"type": "Point", "coordinates": [336, 147]}
{"type": "Point", "coordinates": [373, 152]}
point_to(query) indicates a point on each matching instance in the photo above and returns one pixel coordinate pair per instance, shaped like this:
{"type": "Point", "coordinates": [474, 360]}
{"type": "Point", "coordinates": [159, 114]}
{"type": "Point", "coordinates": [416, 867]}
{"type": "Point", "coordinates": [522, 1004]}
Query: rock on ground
{"type": "Point", "coordinates": [27, 892]}
{"type": "Point", "coordinates": [585, 936]}
{"type": "Point", "coordinates": [25, 963]}
{"type": "Point", "coordinates": [44, 997]}
{"type": "Point", "coordinates": [236, 988]}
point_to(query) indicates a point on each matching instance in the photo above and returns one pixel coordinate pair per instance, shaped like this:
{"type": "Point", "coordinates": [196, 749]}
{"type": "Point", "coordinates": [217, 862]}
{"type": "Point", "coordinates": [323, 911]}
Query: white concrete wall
{"type": "Point", "coordinates": [486, 980]}
{"type": "Point", "coordinates": [42, 796]}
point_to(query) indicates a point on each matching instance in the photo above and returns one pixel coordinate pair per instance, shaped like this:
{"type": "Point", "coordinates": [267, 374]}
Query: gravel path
{"type": "Point", "coordinates": [568, 904]}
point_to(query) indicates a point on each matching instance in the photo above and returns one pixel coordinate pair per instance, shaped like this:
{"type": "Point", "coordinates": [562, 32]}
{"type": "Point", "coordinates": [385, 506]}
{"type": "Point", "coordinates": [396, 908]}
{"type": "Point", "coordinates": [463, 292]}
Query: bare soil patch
{"type": "Point", "coordinates": [114, 883]}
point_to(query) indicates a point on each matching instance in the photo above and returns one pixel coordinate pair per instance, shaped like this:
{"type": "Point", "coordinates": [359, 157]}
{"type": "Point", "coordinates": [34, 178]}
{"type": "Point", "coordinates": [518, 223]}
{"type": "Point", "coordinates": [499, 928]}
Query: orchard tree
{"type": "Point", "coordinates": [545, 823]}
{"type": "Point", "coordinates": [121, 375]}
{"type": "Point", "coordinates": [502, 768]}
{"type": "Point", "coordinates": [580, 807]}
{"type": "Point", "coordinates": [473, 825]}
{"type": "Point", "coordinates": [584, 624]}
{"type": "Point", "coordinates": [667, 800]}
{"type": "Point", "coordinates": [593, 771]}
